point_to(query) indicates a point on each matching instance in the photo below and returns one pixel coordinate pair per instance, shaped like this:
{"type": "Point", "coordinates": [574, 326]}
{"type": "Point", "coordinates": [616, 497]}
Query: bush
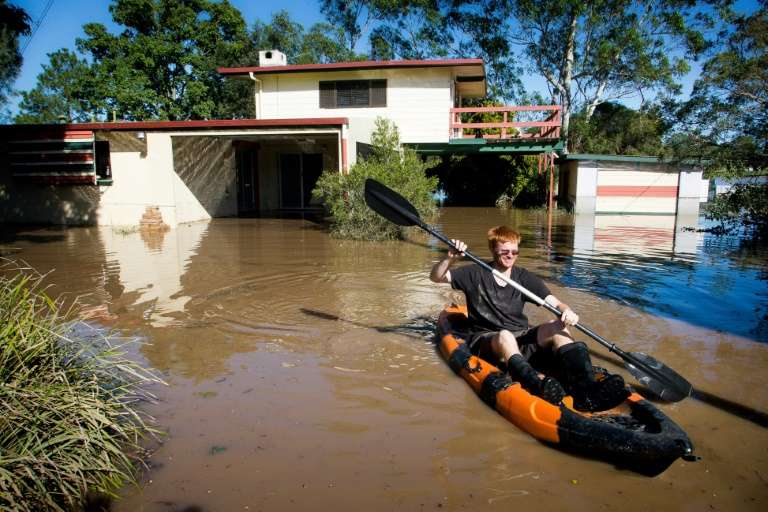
{"type": "Point", "coordinates": [401, 169]}
{"type": "Point", "coordinates": [69, 429]}
{"type": "Point", "coordinates": [745, 205]}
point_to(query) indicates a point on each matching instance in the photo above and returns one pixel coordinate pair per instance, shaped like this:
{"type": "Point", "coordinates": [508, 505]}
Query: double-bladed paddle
{"type": "Point", "coordinates": [656, 376]}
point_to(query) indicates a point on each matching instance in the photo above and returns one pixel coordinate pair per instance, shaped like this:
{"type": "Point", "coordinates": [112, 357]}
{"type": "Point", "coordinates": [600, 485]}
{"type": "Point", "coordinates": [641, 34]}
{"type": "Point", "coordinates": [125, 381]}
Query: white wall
{"type": "Point", "coordinates": [140, 181]}
{"type": "Point", "coordinates": [418, 100]}
{"type": "Point", "coordinates": [586, 186]}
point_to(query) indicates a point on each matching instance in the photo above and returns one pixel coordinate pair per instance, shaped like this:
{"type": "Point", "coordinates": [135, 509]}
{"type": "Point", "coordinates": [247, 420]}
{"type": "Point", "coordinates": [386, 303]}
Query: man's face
{"type": "Point", "coordinates": [506, 253]}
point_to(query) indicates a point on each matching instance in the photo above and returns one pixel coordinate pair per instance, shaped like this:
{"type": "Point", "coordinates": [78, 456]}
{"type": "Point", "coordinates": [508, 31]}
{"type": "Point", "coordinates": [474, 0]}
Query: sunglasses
{"type": "Point", "coordinates": [514, 252]}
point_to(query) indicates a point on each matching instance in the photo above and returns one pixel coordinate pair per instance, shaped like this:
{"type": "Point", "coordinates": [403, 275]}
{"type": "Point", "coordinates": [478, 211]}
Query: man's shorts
{"type": "Point", "coordinates": [480, 344]}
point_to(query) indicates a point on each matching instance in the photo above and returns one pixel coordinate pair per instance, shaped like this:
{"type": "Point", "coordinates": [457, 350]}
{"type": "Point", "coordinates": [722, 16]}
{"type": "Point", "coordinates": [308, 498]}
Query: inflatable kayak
{"type": "Point", "coordinates": [635, 434]}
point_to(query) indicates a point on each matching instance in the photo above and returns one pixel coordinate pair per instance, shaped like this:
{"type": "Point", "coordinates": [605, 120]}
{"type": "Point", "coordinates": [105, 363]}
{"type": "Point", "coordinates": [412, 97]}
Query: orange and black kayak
{"type": "Point", "coordinates": [635, 434]}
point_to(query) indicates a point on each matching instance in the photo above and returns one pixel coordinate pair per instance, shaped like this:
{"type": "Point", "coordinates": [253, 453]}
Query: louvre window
{"type": "Point", "coordinates": [353, 94]}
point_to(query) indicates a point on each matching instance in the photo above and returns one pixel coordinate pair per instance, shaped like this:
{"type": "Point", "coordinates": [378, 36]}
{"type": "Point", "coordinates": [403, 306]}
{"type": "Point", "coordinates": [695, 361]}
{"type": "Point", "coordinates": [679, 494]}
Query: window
{"type": "Point", "coordinates": [353, 94]}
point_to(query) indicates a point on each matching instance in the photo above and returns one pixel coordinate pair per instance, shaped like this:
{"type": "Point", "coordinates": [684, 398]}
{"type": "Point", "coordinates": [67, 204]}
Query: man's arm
{"type": "Point", "coordinates": [441, 270]}
{"type": "Point", "coordinates": [568, 316]}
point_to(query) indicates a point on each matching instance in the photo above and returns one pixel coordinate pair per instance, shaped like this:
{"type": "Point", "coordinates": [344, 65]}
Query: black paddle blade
{"type": "Point", "coordinates": [662, 380]}
{"type": "Point", "coordinates": [389, 204]}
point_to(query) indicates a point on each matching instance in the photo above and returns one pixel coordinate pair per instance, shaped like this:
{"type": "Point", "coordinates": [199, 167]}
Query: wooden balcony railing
{"type": "Point", "coordinates": [508, 128]}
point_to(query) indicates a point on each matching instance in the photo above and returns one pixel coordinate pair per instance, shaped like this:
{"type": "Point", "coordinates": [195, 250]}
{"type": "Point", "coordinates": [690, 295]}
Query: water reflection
{"type": "Point", "coordinates": [660, 264]}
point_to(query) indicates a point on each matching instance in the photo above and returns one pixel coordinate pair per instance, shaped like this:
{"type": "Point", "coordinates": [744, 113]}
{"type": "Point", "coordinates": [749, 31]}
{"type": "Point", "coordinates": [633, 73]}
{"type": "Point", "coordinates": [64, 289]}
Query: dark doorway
{"type": "Point", "coordinates": [247, 179]}
{"type": "Point", "coordinates": [298, 176]}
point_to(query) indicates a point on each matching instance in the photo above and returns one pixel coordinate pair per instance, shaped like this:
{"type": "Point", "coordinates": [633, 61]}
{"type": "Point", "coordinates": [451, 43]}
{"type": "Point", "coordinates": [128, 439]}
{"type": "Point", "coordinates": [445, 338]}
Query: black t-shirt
{"type": "Point", "coordinates": [492, 307]}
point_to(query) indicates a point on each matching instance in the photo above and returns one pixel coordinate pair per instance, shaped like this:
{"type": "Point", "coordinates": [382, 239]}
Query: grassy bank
{"type": "Point", "coordinates": [69, 424]}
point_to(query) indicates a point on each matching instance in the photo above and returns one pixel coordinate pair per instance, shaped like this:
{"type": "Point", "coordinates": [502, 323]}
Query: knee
{"type": "Point", "coordinates": [505, 343]}
{"type": "Point", "coordinates": [554, 334]}
{"type": "Point", "coordinates": [506, 336]}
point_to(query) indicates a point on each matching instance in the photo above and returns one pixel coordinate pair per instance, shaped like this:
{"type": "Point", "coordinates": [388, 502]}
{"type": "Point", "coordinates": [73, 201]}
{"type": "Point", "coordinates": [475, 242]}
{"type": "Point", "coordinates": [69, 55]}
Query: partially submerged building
{"type": "Point", "coordinates": [630, 185]}
{"type": "Point", "coordinates": [306, 119]}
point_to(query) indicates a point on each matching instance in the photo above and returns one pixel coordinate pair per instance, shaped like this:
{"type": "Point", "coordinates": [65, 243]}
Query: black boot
{"type": "Point", "coordinates": [578, 377]}
{"type": "Point", "coordinates": [547, 388]}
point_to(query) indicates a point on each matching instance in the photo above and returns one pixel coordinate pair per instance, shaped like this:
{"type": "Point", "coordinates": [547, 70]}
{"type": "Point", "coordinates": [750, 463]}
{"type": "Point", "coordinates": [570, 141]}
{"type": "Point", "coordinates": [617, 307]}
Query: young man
{"type": "Point", "coordinates": [500, 330]}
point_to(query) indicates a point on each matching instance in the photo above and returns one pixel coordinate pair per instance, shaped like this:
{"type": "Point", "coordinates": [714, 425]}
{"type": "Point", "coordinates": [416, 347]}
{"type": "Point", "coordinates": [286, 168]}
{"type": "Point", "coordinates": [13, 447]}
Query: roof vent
{"type": "Point", "coordinates": [272, 58]}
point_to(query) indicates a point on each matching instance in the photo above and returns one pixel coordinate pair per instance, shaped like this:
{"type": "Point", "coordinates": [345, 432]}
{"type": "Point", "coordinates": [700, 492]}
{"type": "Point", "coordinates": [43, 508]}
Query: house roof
{"type": "Point", "coordinates": [355, 65]}
{"type": "Point", "coordinates": [16, 130]}
{"type": "Point", "coordinates": [469, 73]}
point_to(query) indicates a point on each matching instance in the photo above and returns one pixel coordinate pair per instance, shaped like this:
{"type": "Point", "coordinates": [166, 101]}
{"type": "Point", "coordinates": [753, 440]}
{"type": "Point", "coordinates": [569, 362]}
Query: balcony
{"type": "Point", "coordinates": [532, 122]}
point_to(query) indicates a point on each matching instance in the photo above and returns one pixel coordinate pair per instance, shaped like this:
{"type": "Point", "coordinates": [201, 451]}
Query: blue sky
{"type": "Point", "coordinates": [65, 19]}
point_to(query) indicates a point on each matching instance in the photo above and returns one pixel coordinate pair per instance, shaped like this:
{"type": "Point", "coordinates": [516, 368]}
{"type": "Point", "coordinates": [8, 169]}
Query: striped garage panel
{"type": "Point", "coordinates": [636, 191]}
{"type": "Point", "coordinates": [62, 157]}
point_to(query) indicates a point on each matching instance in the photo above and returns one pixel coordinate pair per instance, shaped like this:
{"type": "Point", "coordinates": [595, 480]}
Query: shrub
{"type": "Point", "coordinates": [401, 169]}
{"type": "Point", "coordinates": [527, 186]}
{"type": "Point", "coordinates": [746, 205]}
{"type": "Point", "coordinates": [69, 427]}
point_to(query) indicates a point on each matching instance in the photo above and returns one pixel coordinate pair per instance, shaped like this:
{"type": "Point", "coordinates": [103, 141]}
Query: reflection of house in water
{"type": "Point", "coordinates": [638, 235]}
{"type": "Point", "coordinates": [151, 266]}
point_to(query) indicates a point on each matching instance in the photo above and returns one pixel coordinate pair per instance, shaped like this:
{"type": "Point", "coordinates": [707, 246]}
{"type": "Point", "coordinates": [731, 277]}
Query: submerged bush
{"type": "Point", "coordinates": [400, 169]}
{"type": "Point", "coordinates": [69, 427]}
{"type": "Point", "coordinates": [745, 205]}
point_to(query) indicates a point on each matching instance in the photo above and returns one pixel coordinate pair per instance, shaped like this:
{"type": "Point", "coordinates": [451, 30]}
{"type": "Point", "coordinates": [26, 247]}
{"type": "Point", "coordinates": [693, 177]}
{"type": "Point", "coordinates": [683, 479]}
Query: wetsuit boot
{"type": "Point", "coordinates": [547, 388]}
{"type": "Point", "coordinates": [589, 394]}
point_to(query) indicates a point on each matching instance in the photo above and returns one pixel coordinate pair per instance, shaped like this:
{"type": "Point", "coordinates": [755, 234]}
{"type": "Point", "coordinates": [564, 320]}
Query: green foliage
{"type": "Point", "coordinates": [14, 23]}
{"type": "Point", "coordinates": [725, 122]}
{"type": "Point", "coordinates": [69, 427]}
{"type": "Point", "coordinates": [504, 180]}
{"type": "Point", "coordinates": [527, 186]}
{"type": "Point", "coordinates": [61, 92]}
{"type": "Point", "coordinates": [615, 129]}
{"type": "Point", "coordinates": [161, 65]}
{"type": "Point", "coordinates": [588, 52]}
{"type": "Point", "coordinates": [323, 43]}
{"type": "Point", "coordinates": [401, 169]}
{"type": "Point", "coordinates": [591, 52]}
{"type": "Point", "coordinates": [746, 205]}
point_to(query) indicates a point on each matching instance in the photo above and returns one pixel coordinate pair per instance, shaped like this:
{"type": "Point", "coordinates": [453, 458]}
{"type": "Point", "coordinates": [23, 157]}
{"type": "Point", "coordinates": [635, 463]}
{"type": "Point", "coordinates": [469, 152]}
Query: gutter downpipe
{"type": "Point", "coordinates": [256, 96]}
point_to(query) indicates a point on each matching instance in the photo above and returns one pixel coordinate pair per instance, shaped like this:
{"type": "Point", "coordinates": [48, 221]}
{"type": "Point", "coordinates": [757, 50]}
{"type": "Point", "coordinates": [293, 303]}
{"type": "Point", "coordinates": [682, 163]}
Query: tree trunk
{"type": "Point", "coordinates": [596, 99]}
{"type": "Point", "coordinates": [567, 74]}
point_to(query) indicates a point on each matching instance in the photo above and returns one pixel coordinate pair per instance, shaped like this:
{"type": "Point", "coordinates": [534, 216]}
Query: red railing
{"type": "Point", "coordinates": [547, 128]}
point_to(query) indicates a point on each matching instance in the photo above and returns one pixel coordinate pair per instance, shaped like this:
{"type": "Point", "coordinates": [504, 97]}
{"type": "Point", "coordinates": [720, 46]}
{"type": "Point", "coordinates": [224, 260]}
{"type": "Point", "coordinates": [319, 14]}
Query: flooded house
{"type": "Point", "coordinates": [307, 119]}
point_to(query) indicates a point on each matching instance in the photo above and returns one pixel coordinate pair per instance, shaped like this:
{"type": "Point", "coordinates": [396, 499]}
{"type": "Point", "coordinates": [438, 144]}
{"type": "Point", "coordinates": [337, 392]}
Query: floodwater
{"type": "Point", "coordinates": [302, 372]}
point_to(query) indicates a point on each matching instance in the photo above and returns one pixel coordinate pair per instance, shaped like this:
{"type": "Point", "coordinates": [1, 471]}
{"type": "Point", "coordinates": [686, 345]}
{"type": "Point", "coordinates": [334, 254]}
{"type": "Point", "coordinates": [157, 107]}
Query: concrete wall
{"type": "Point", "coordinates": [690, 191]}
{"type": "Point", "coordinates": [30, 203]}
{"type": "Point", "coordinates": [632, 187]}
{"type": "Point", "coordinates": [585, 176]}
{"type": "Point", "coordinates": [205, 167]}
{"type": "Point", "coordinates": [628, 187]}
{"type": "Point", "coordinates": [142, 174]}
{"type": "Point", "coordinates": [418, 100]}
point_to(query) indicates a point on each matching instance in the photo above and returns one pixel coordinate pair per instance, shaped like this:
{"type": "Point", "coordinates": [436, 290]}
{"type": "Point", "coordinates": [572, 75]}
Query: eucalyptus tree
{"type": "Point", "coordinates": [602, 50]}
{"type": "Point", "coordinates": [725, 120]}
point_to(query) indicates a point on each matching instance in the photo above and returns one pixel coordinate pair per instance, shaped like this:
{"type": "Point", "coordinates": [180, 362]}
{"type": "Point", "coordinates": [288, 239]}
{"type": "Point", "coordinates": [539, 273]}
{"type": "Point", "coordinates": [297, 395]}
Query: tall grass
{"type": "Point", "coordinates": [69, 423]}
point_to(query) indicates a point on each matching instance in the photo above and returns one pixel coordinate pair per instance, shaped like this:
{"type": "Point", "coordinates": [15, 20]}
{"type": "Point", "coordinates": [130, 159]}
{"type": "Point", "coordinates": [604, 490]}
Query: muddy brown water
{"type": "Point", "coordinates": [302, 372]}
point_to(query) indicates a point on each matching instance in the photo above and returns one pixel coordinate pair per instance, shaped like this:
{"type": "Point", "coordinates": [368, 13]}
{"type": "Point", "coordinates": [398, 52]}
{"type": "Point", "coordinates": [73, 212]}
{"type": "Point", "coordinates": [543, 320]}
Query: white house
{"type": "Point", "coordinates": [306, 119]}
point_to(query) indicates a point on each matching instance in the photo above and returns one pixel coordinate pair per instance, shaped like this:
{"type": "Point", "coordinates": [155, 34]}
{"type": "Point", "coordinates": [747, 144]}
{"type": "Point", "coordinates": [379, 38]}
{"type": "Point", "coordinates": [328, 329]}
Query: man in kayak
{"type": "Point", "coordinates": [499, 329]}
